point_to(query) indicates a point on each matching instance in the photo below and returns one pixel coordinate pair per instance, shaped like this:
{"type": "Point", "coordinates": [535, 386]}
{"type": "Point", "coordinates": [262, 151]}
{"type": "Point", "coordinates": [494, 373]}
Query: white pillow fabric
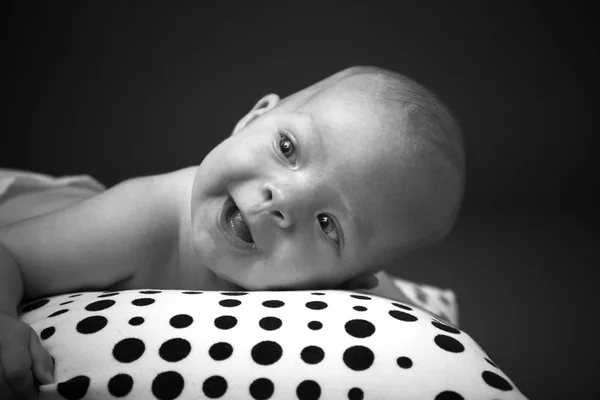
{"type": "Point", "coordinates": [151, 344]}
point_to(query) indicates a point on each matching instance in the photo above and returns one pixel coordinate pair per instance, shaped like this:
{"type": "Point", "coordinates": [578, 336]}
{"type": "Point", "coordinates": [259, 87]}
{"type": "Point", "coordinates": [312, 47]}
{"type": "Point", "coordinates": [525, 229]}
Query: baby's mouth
{"type": "Point", "coordinates": [235, 221]}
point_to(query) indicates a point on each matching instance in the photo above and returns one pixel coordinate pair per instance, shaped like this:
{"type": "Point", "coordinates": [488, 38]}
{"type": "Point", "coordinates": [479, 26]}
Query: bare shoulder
{"type": "Point", "coordinates": [124, 233]}
{"type": "Point", "coordinates": [164, 193]}
{"type": "Point", "coordinates": [165, 184]}
{"type": "Point", "coordinates": [184, 176]}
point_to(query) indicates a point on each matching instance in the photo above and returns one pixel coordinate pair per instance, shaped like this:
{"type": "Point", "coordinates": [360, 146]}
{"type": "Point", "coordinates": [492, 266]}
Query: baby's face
{"type": "Point", "coordinates": [310, 194]}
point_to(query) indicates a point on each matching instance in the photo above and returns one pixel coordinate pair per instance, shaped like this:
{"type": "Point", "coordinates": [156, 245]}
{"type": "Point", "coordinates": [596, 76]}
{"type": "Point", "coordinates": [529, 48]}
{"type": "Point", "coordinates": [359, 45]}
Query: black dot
{"type": "Point", "coordinates": [57, 313]}
{"type": "Point", "coordinates": [449, 344]}
{"type": "Point", "coordinates": [270, 323]}
{"type": "Point", "coordinates": [496, 381]}
{"type": "Point", "coordinates": [490, 362]}
{"type": "Point", "coordinates": [318, 294]}
{"type": "Point", "coordinates": [144, 301]}
{"type": "Point", "coordinates": [262, 389]}
{"type": "Point", "coordinates": [230, 303]}
{"type": "Point", "coordinates": [445, 327]}
{"type": "Point", "coordinates": [214, 387]}
{"type": "Point", "coordinates": [316, 305]}
{"type": "Point", "coordinates": [360, 297]}
{"type": "Point", "coordinates": [234, 293]}
{"type": "Point", "coordinates": [360, 308]}
{"type": "Point", "coordinates": [120, 385]}
{"type": "Point", "coordinates": [266, 353]}
{"type": "Point", "coordinates": [65, 303]}
{"type": "Point", "coordinates": [181, 321]}
{"type": "Point", "coordinates": [220, 351]}
{"type": "Point", "coordinates": [358, 358]}
{"type": "Point", "coordinates": [47, 332]}
{"type": "Point", "coordinates": [100, 305]}
{"type": "Point", "coordinates": [402, 316]}
{"type": "Point", "coordinates": [34, 305]}
{"type": "Point", "coordinates": [449, 395]}
{"type": "Point", "coordinates": [167, 385]}
{"type": "Point", "coordinates": [91, 324]}
{"type": "Point", "coordinates": [312, 355]}
{"type": "Point", "coordinates": [109, 294]}
{"type": "Point", "coordinates": [225, 322]}
{"type": "Point", "coordinates": [308, 390]}
{"type": "Point", "coordinates": [150, 291]}
{"type": "Point", "coordinates": [75, 295]}
{"type": "Point", "coordinates": [174, 350]}
{"type": "Point", "coordinates": [75, 388]}
{"type": "Point", "coordinates": [315, 325]}
{"type": "Point", "coordinates": [273, 303]}
{"type": "Point", "coordinates": [128, 350]}
{"type": "Point", "coordinates": [402, 306]}
{"type": "Point", "coordinates": [355, 394]}
{"type": "Point", "coordinates": [404, 362]}
{"type": "Point", "coordinates": [136, 321]}
{"type": "Point", "coordinates": [359, 328]}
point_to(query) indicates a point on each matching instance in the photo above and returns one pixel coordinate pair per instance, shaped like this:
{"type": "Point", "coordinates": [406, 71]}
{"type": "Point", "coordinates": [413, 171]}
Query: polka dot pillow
{"type": "Point", "coordinates": [303, 345]}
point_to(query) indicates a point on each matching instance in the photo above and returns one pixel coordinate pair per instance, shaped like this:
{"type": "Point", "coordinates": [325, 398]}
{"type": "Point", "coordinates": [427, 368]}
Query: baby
{"type": "Point", "coordinates": [322, 189]}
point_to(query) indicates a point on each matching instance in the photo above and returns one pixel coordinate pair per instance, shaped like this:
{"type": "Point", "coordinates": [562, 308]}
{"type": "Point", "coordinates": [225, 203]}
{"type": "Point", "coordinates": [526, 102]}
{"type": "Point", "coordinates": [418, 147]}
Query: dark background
{"type": "Point", "coordinates": [121, 90]}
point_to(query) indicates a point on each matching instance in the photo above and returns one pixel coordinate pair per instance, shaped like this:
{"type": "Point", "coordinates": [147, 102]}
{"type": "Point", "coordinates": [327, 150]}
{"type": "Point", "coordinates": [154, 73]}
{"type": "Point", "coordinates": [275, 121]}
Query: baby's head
{"type": "Point", "coordinates": [331, 184]}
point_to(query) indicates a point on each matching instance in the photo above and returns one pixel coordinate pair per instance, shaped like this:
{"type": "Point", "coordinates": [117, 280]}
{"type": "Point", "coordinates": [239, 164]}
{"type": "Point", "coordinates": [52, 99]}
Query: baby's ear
{"type": "Point", "coordinates": [265, 104]}
{"type": "Point", "coordinates": [364, 281]}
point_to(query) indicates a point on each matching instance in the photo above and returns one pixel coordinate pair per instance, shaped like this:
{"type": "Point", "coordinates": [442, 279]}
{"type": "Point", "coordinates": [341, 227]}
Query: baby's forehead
{"type": "Point", "coordinates": [347, 118]}
{"type": "Point", "coordinates": [359, 146]}
{"type": "Point", "coordinates": [366, 149]}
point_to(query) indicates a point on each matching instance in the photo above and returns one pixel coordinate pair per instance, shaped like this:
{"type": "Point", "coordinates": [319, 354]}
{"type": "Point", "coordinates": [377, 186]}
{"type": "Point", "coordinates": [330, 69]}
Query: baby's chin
{"type": "Point", "coordinates": [253, 285]}
{"type": "Point", "coordinates": [258, 283]}
{"type": "Point", "coordinates": [287, 285]}
{"type": "Point", "coordinates": [255, 275]}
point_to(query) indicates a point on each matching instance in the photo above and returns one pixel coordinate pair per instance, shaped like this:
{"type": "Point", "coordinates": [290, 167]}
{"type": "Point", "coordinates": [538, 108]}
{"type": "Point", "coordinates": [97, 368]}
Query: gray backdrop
{"type": "Point", "coordinates": [123, 89]}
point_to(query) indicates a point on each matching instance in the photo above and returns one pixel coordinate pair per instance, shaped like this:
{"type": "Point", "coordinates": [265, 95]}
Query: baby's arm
{"type": "Point", "coordinates": [97, 242]}
{"type": "Point", "coordinates": [90, 245]}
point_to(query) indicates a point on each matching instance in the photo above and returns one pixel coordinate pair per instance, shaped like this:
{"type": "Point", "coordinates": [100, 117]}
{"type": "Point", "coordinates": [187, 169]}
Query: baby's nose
{"type": "Point", "coordinates": [282, 203]}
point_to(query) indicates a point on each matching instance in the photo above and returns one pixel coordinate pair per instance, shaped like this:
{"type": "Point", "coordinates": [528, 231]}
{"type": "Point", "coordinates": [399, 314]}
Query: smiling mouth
{"type": "Point", "coordinates": [236, 224]}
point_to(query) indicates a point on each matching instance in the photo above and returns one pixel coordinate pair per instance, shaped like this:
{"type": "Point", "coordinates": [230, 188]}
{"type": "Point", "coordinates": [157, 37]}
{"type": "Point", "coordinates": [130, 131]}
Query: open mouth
{"type": "Point", "coordinates": [235, 223]}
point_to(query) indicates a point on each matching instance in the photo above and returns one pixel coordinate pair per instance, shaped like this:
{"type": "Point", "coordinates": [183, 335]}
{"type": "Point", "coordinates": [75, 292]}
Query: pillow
{"type": "Point", "coordinates": [332, 344]}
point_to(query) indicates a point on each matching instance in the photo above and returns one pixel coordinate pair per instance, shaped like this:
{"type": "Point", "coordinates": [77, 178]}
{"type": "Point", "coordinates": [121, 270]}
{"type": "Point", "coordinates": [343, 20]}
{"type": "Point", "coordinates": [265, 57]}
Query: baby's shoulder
{"type": "Point", "coordinates": [163, 195]}
{"type": "Point", "coordinates": [184, 177]}
{"type": "Point", "coordinates": [169, 183]}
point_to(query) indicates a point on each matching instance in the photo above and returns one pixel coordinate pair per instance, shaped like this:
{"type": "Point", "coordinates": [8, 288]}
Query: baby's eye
{"type": "Point", "coordinates": [328, 226]}
{"type": "Point", "coordinates": [286, 146]}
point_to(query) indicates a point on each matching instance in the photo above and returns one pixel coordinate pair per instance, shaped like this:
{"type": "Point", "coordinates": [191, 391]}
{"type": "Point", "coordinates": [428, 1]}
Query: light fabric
{"type": "Point", "coordinates": [256, 345]}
